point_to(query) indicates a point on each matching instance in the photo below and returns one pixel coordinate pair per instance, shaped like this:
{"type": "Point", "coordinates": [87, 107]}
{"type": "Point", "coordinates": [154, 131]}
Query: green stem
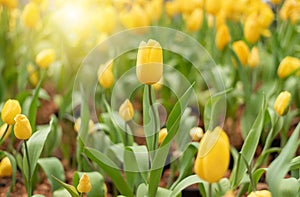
{"type": "Point", "coordinates": [126, 135]}
{"type": "Point", "coordinates": [154, 145]}
{"type": "Point", "coordinates": [209, 190]}
{"type": "Point", "coordinates": [4, 134]}
{"type": "Point", "coordinates": [249, 173]}
{"type": "Point", "coordinates": [29, 169]}
{"type": "Point", "coordinates": [81, 195]}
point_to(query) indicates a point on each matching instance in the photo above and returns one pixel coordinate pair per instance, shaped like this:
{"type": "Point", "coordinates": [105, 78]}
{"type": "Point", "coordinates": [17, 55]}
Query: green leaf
{"type": "Point", "coordinates": [54, 137]}
{"type": "Point", "coordinates": [249, 146]}
{"type": "Point", "coordinates": [172, 127]}
{"type": "Point", "coordinates": [280, 166]}
{"type": "Point", "coordinates": [256, 176]}
{"type": "Point", "coordinates": [188, 181]}
{"type": "Point", "coordinates": [38, 195]}
{"type": "Point", "coordinates": [96, 180]}
{"type": "Point", "coordinates": [111, 169]}
{"type": "Point", "coordinates": [70, 188]}
{"type": "Point", "coordinates": [61, 193]}
{"type": "Point", "coordinates": [295, 163]}
{"type": "Point", "coordinates": [35, 146]}
{"type": "Point", "coordinates": [52, 167]}
{"type": "Point", "coordinates": [289, 187]}
{"type": "Point", "coordinates": [142, 191]}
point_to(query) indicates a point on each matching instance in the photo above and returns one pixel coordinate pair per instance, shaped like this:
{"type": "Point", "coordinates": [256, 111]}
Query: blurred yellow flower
{"type": "Point", "coordinates": [154, 9]}
{"type": "Point", "coordinates": [213, 6]}
{"type": "Point", "coordinates": [276, 1]}
{"type": "Point", "coordinates": [2, 130]}
{"type": "Point", "coordinates": [136, 17]}
{"type": "Point", "coordinates": [282, 103]}
{"type": "Point", "coordinates": [213, 156]}
{"type": "Point", "coordinates": [194, 20]}
{"type": "Point", "coordinates": [105, 75]}
{"type": "Point", "coordinates": [162, 135]}
{"type": "Point", "coordinates": [84, 185]}
{"type": "Point", "coordinates": [10, 109]}
{"type": "Point", "coordinates": [106, 19]}
{"type": "Point", "coordinates": [222, 37]}
{"type": "Point", "coordinates": [252, 30]}
{"type": "Point", "coordinates": [126, 110]}
{"type": "Point", "coordinates": [288, 66]}
{"type": "Point", "coordinates": [33, 75]}
{"type": "Point", "coordinates": [30, 15]}
{"type": "Point", "coordinates": [172, 8]}
{"type": "Point", "coordinates": [149, 64]}
{"type": "Point", "coordinates": [45, 57]}
{"type": "Point", "coordinates": [5, 167]}
{"type": "Point", "coordinates": [242, 51]}
{"type": "Point", "coordinates": [229, 193]}
{"type": "Point", "coordinates": [196, 133]}
{"type": "Point", "coordinates": [78, 124]}
{"type": "Point", "coordinates": [10, 4]}
{"type": "Point", "coordinates": [253, 59]}
{"type": "Point", "coordinates": [22, 128]}
{"type": "Point", "coordinates": [290, 10]}
{"type": "Point", "coordinates": [261, 193]}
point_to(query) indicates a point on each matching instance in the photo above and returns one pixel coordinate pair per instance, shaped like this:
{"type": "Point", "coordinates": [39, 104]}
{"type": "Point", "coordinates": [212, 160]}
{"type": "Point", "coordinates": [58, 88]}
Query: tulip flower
{"type": "Point", "coordinates": [162, 135]}
{"type": "Point", "coordinates": [5, 167]}
{"type": "Point", "coordinates": [149, 65]}
{"type": "Point", "coordinates": [45, 58]}
{"type": "Point", "coordinates": [30, 15]}
{"type": "Point", "coordinates": [261, 193]}
{"type": "Point", "coordinates": [253, 59]}
{"type": "Point", "coordinates": [252, 30]}
{"type": "Point", "coordinates": [290, 10]}
{"type": "Point", "coordinates": [222, 37]}
{"type": "Point", "coordinates": [10, 4]}
{"type": "Point", "coordinates": [282, 103]}
{"type": "Point", "coordinates": [84, 185]}
{"type": "Point", "coordinates": [213, 6]}
{"type": "Point", "coordinates": [105, 75]}
{"type": "Point", "coordinates": [288, 66]}
{"type": "Point", "coordinates": [126, 111]}
{"type": "Point", "coordinates": [229, 193]}
{"type": "Point", "coordinates": [3, 128]}
{"type": "Point", "coordinates": [136, 17]}
{"type": "Point", "coordinates": [10, 109]}
{"type": "Point", "coordinates": [194, 20]}
{"type": "Point", "coordinates": [78, 124]}
{"type": "Point", "coordinates": [242, 51]}
{"type": "Point", "coordinates": [172, 8]}
{"type": "Point", "coordinates": [196, 133]}
{"type": "Point", "coordinates": [22, 128]}
{"type": "Point", "coordinates": [213, 156]}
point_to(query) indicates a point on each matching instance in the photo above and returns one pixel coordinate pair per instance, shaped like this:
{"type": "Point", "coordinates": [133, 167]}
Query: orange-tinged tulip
{"type": "Point", "coordinates": [45, 58]}
{"type": "Point", "coordinates": [254, 57]}
{"type": "Point", "coordinates": [213, 156]}
{"type": "Point", "coordinates": [5, 167]}
{"type": "Point", "coordinates": [162, 135]}
{"type": "Point", "coordinates": [242, 51]}
{"type": "Point", "coordinates": [282, 103]}
{"type": "Point", "coordinates": [288, 66]}
{"type": "Point", "coordinates": [84, 185]}
{"type": "Point", "coordinates": [10, 109]}
{"type": "Point", "coordinates": [30, 15]}
{"type": "Point", "coordinates": [22, 128]}
{"type": "Point", "coordinates": [105, 75]}
{"type": "Point", "coordinates": [126, 110]}
{"type": "Point", "coordinates": [222, 37]}
{"type": "Point", "coordinates": [261, 193]}
{"type": "Point", "coordinates": [196, 133]}
{"type": "Point", "coordinates": [194, 20]}
{"type": "Point", "coordinates": [149, 64]}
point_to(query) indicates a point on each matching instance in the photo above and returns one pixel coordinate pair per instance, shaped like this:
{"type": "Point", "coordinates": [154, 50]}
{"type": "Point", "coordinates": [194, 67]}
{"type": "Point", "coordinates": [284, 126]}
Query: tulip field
{"type": "Point", "coordinates": [156, 98]}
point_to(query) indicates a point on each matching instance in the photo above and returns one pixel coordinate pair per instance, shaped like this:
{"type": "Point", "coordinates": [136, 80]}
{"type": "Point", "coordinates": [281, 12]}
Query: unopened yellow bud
{"type": "Point", "coordinates": [162, 135]}
{"type": "Point", "coordinates": [10, 109]}
{"type": "Point", "coordinates": [5, 167]}
{"type": "Point", "coordinates": [282, 103]}
{"type": "Point", "coordinates": [126, 110]}
{"type": "Point", "coordinates": [30, 15]}
{"type": "Point", "coordinates": [213, 6]}
{"type": "Point", "coordinates": [288, 66]}
{"type": "Point", "coordinates": [196, 133]}
{"type": "Point", "coordinates": [229, 193]}
{"type": "Point", "coordinates": [2, 130]}
{"type": "Point", "coordinates": [252, 29]}
{"type": "Point", "coordinates": [84, 185]}
{"type": "Point", "coordinates": [105, 75]}
{"type": "Point", "coordinates": [222, 37]}
{"type": "Point", "coordinates": [149, 64]}
{"type": "Point", "coordinates": [78, 124]}
{"type": "Point", "coordinates": [45, 58]}
{"type": "Point", "coordinates": [242, 51]}
{"type": "Point", "coordinates": [213, 156]}
{"type": "Point", "coordinates": [254, 57]}
{"type": "Point", "coordinates": [194, 20]}
{"type": "Point", "coordinates": [22, 128]}
{"type": "Point", "coordinates": [261, 193]}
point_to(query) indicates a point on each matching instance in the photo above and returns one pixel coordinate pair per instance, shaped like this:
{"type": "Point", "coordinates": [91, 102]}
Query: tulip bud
{"type": "Point", "coordinates": [196, 133]}
{"type": "Point", "coordinates": [2, 130]}
{"type": "Point", "coordinates": [252, 29]}
{"type": "Point", "coordinates": [213, 6]}
{"type": "Point", "coordinates": [22, 128]}
{"type": "Point", "coordinates": [33, 75]}
{"type": "Point", "coordinates": [229, 193]}
{"type": "Point", "coordinates": [213, 156]}
{"type": "Point", "coordinates": [30, 15]}
{"type": "Point", "coordinates": [149, 65]}
{"type": "Point", "coordinates": [10, 109]}
{"type": "Point", "coordinates": [282, 103]}
{"type": "Point", "coordinates": [194, 20]}
{"type": "Point", "coordinates": [45, 58]}
{"type": "Point", "coordinates": [84, 185]}
{"type": "Point", "coordinates": [222, 37]}
{"type": "Point", "coordinates": [172, 8]}
{"type": "Point", "coordinates": [254, 57]}
{"type": "Point", "coordinates": [288, 66]}
{"type": "Point", "coordinates": [78, 124]}
{"type": "Point", "coordinates": [5, 167]}
{"type": "Point", "coordinates": [261, 193]}
{"type": "Point", "coordinates": [162, 135]}
{"type": "Point", "coordinates": [242, 51]}
{"type": "Point", "coordinates": [126, 110]}
{"type": "Point", "coordinates": [105, 75]}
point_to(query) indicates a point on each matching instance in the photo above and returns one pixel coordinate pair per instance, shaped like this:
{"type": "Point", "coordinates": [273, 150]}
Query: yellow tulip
{"type": "Point", "coordinates": [10, 4]}
{"type": "Point", "coordinates": [154, 9]}
{"type": "Point", "coordinates": [105, 75]}
{"type": "Point", "coordinates": [213, 156]}
{"type": "Point", "coordinates": [194, 20]}
{"type": "Point", "coordinates": [172, 8]}
{"type": "Point", "coordinates": [5, 167]}
{"type": "Point", "coordinates": [126, 110]}
{"type": "Point", "coordinates": [290, 10]}
{"type": "Point", "coordinates": [196, 133]}
{"type": "Point", "coordinates": [149, 64]}
{"type": "Point", "coordinates": [2, 130]}
{"type": "Point", "coordinates": [22, 128]}
{"type": "Point", "coordinates": [162, 135]}
{"type": "Point", "coordinates": [213, 6]}
{"type": "Point", "coordinates": [252, 30]}
{"type": "Point", "coordinates": [84, 185]}
{"type": "Point", "coordinates": [229, 193]}
{"type": "Point", "coordinates": [288, 66]}
{"type": "Point", "coordinates": [136, 17]}
{"type": "Point", "coordinates": [282, 103]}
{"type": "Point", "coordinates": [30, 15]}
{"type": "Point", "coordinates": [78, 124]}
{"type": "Point", "coordinates": [253, 57]}
{"type": "Point", "coordinates": [242, 51]}
{"type": "Point", "coordinates": [222, 37]}
{"type": "Point", "coordinates": [10, 109]}
{"type": "Point", "coordinates": [276, 2]}
{"type": "Point", "coordinates": [33, 75]}
{"type": "Point", "coordinates": [261, 193]}
{"type": "Point", "coordinates": [45, 58]}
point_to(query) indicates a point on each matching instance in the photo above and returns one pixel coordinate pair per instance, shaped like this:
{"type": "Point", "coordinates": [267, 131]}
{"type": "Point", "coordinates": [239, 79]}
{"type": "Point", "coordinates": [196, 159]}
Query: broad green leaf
{"type": "Point", "coordinates": [70, 188]}
{"type": "Point", "coordinates": [280, 166]}
{"type": "Point", "coordinates": [111, 170]}
{"type": "Point", "coordinates": [289, 187]}
{"type": "Point", "coordinates": [54, 137]}
{"type": "Point", "coordinates": [256, 176]}
{"type": "Point", "coordinates": [52, 167]}
{"type": "Point", "coordinates": [35, 146]}
{"type": "Point", "coordinates": [142, 191]}
{"type": "Point", "coordinates": [249, 146]}
{"type": "Point", "coordinates": [96, 180]}
{"type": "Point", "coordinates": [295, 163]}
{"type": "Point", "coordinates": [172, 127]}
{"type": "Point", "coordinates": [61, 193]}
{"type": "Point", "coordinates": [188, 181]}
